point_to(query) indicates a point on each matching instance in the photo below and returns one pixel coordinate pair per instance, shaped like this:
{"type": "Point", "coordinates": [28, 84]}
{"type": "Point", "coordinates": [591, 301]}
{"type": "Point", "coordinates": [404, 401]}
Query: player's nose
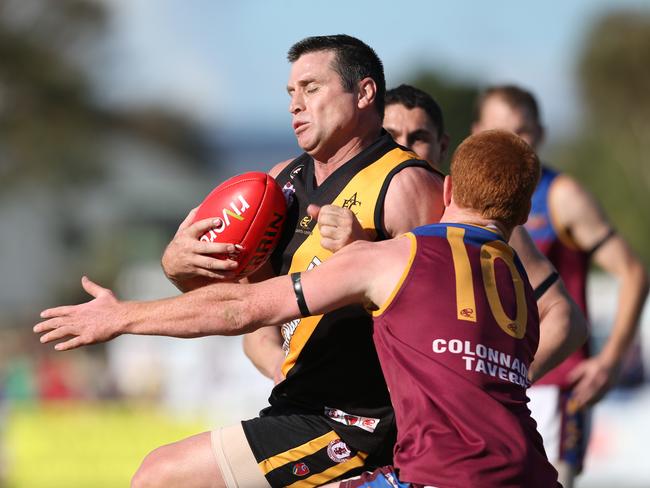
{"type": "Point", "coordinates": [296, 104]}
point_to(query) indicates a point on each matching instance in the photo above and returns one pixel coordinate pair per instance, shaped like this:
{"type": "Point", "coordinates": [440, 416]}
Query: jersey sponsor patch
{"type": "Point", "coordinates": [287, 331]}
{"type": "Point", "coordinates": [487, 360]}
{"type": "Point", "coordinates": [365, 423]}
{"type": "Point", "coordinates": [338, 451]}
{"type": "Point", "coordinates": [300, 469]}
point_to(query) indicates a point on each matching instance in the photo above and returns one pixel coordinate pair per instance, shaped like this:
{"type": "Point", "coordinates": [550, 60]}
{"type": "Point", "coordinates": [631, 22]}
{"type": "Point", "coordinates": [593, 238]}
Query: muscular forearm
{"type": "Point", "coordinates": [212, 310]}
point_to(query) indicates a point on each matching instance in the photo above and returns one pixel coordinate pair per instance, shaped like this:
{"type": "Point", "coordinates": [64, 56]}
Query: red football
{"type": "Point", "coordinates": [252, 209]}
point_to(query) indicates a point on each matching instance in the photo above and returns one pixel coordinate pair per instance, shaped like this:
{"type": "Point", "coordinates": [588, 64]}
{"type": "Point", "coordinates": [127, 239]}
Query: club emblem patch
{"type": "Point", "coordinates": [338, 451]}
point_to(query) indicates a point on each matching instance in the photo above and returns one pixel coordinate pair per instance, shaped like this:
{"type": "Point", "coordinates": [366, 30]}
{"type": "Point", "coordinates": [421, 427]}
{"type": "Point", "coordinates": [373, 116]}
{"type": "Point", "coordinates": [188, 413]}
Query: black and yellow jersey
{"type": "Point", "coordinates": [331, 365]}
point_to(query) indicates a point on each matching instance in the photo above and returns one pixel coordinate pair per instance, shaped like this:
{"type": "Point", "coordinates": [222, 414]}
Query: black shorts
{"type": "Point", "coordinates": [305, 450]}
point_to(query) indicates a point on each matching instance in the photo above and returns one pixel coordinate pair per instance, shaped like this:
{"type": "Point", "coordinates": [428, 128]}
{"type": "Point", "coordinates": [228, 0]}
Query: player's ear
{"type": "Point", "coordinates": [367, 93]}
{"type": "Point", "coordinates": [446, 191]}
{"type": "Point", "coordinates": [444, 145]}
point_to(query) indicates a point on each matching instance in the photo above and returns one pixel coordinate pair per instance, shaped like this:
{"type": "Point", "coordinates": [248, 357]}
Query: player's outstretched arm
{"type": "Point", "coordinates": [217, 309]}
{"type": "Point", "coordinates": [577, 214]}
{"type": "Point", "coordinates": [222, 308]}
{"type": "Point", "coordinates": [563, 327]}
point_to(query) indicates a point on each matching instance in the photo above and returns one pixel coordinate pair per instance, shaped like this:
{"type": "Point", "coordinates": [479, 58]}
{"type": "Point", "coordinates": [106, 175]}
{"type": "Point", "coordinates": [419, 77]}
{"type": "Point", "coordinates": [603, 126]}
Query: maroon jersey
{"type": "Point", "coordinates": [455, 343]}
{"type": "Point", "coordinates": [571, 263]}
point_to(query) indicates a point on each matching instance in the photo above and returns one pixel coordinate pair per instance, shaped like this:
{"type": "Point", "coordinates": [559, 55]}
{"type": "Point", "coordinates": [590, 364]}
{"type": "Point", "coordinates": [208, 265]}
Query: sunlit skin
{"type": "Point", "coordinates": [414, 129]}
{"type": "Point", "coordinates": [325, 117]}
{"type": "Point", "coordinates": [496, 113]}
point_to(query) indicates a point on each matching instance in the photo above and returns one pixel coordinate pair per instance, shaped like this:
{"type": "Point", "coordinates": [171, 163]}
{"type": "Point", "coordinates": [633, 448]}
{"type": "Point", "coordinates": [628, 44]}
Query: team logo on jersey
{"type": "Point", "coordinates": [296, 171]}
{"type": "Point", "coordinates": [365, 423]}
{"type": "Point", "coordinates": [338, 451]}
{"type": "Point", "coordinates": [305, 221]}
{"type": "Point", "coordinates": [288, 190]}
{"type": "Point", "coordinates": [467, 312]}
{"type": "Point", "coordinates": [300, 469]}
{"type": "Point", "coordinates": [351, 202]}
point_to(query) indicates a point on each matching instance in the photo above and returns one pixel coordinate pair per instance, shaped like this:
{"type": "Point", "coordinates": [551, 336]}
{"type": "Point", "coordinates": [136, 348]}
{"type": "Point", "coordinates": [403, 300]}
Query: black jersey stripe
{"type": "Point", "coordinates": [379, 209]}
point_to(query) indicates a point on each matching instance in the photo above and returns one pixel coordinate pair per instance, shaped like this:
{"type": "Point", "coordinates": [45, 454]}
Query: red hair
{"type": "Point", "coordinates": [495, 173]}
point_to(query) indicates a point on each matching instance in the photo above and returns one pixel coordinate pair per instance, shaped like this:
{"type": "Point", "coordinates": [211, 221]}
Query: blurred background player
{"type": "Point", "coordinates": [570, 228]}
{"type": "Point", "coordinates": [415, 121]}
{"type": "Point", "coordinates": [472, 344]}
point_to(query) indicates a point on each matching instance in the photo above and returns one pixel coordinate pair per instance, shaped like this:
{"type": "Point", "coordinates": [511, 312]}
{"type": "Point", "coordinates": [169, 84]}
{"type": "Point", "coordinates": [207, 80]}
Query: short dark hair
{"type": "Point", "coordinates": [353, 61]}
{"type": "Point", "coordinates": [411, 98]}
{"type": "Point", "coordinates": [515, 96]}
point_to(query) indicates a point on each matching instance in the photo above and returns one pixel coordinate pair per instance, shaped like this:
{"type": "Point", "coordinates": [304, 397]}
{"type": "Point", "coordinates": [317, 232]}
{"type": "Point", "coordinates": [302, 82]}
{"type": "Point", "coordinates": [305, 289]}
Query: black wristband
{"type": "Point", "coordinates": [546, 284]}
{"type": "Point", "coordinates": [300, 297]}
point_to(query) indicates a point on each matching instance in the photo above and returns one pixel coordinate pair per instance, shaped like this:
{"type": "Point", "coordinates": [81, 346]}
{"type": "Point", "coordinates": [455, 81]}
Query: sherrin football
{"type": "Point", "coordinates": [252, 209]}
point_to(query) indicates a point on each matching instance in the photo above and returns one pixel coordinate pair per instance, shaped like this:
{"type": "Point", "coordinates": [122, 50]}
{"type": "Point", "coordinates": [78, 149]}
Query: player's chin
{"type": "Point", "coordinates": [306, 143]}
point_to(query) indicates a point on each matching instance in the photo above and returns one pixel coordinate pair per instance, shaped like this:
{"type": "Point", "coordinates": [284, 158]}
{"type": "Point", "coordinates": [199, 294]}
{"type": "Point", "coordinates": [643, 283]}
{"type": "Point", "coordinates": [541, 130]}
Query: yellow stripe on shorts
{"type": "Point", "coordinates": [298, 452]}
{"type": "Point", "coordinates": [331, 473]}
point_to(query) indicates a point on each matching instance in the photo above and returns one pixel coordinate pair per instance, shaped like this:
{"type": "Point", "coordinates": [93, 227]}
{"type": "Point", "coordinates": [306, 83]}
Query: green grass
{"type": "Point", "coordinates": [84, 446]}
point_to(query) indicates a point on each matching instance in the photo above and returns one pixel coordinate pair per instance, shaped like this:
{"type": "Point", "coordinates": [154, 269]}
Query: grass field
{"type": "Point", "coordinates": [84, 446]}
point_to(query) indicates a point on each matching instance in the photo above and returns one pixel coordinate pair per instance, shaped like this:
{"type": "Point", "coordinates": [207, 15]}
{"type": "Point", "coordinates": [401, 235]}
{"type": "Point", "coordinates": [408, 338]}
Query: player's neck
{"type": "Point", "coordinates": [458, 215]}
{"type": "Point", "coordinates": [327, 162]}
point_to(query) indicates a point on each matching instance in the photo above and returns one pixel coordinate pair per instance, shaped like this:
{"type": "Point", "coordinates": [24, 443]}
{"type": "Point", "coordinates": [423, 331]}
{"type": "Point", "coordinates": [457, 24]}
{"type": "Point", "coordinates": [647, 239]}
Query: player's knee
{"type": "Point", "coordinates": [156, 471]}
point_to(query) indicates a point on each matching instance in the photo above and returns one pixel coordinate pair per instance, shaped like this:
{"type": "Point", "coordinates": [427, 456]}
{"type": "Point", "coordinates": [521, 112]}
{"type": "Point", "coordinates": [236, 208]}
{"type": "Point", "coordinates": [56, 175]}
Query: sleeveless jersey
{"type": "Point", "coordinates": [571, 263]}
{"type": "Point", "coordinates": [455, 341]}
{"type": "Point", "coordinates": [331, 365]}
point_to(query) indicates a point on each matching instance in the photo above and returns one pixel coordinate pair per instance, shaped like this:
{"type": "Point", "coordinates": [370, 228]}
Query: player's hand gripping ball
{"type": "Point", "coordinates": [251, 209]}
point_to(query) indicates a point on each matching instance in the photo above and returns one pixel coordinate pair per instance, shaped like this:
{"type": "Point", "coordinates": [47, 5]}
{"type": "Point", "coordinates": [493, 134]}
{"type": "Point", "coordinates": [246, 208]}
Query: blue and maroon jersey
{"type": "Point", "coordinates": [571, 263]}
{"type": "Point", "coordinates": [455, 341]}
